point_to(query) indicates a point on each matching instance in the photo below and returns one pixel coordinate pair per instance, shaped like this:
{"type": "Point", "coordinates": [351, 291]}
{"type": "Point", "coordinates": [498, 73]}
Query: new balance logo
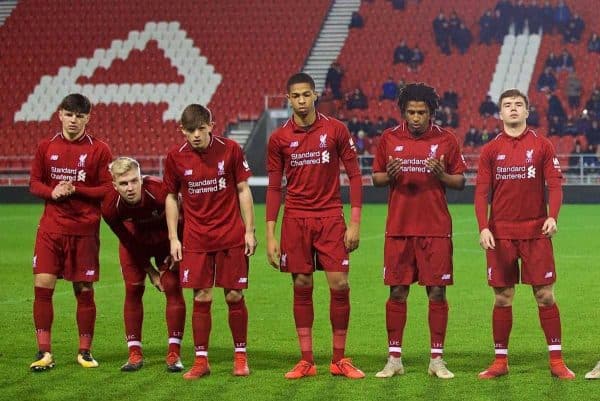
{"type": "Point", "coordinates": [446, 276]}
{"type": "Point", "coordinates": [325, 156]}
{"type": "Point", "coordinates": [187, 172]}
{"type": "Point", "coordinates": [90, 272]}
{"type": "Point", "coordinates": [294, 144]}
{"type": "Point", "coordinates": [243, 280]}
{"type": "Point", "coordinates": [399, 148]}
{"type": "Point", "coordinates": [345, 262]}
{"type": "Point", "coordinates": [283, 259]}
{"type": "Point", "coordinates": [530, 172]}
{"type": "Point", "coordinates": [54, 157]}
{"type": "Point", "coordinates": [501, 157]}
{"type": "Point", "coordinates": [548, 275]}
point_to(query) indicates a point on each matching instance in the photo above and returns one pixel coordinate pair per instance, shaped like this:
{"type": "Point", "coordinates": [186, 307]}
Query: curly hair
{"type": "Point", "coordinates": [418, 92]}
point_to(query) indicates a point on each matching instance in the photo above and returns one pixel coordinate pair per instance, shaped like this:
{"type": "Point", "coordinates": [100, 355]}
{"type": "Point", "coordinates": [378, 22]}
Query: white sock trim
{"type": "Point", "coordinates": [437, 350]}
{"type": "Point", "coordinates": [395, 349]}
{"type": "Point", "coordinates": [174, 340]}
{"type": "Point", "coordinates": [555, 347]}
{"type": "Point", "coordinates": [240, 349]}
{"type": "Point", "coordinates": [201, 353]}
{"type": "Point", "coordinates": [501, 351]}
{"type": "Point", "coordinates": [134, 344]}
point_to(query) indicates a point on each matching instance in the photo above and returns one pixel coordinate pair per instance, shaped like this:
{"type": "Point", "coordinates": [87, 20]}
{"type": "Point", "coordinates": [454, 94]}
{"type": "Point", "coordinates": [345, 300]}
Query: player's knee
{"type": "Point", "coordinates": [202, 296]}
{"type": "Point", "coordinates": [399, 293]}
{"type": "Point", "coordinates": [437, 294]}
{"type": "Point", "coordinates": [544, 297]}
{"type": "Point", "coordinates": [232, 296]}
{"type": "Point", "coordinates": [82, 286]}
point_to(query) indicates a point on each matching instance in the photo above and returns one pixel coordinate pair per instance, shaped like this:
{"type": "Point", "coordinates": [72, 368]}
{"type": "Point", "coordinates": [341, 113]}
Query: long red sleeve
{"type": "Point", "coordinates": [482, 190]}
{"type": "Point", "coordinates": [273, 195]}
{"type": "Point", "coordinates": [36, 181]}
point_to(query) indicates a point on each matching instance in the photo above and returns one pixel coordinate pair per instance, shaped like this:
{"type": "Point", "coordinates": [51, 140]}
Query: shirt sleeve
{"type": "Point", "coordinates": [241, 167]}
{"type": "Point", "coordinates": [170, 178]}
{"type": "Point", "coordinates": [456, 162]}
{"type": "Point", "coordinates": [380, 160]}
{"type": "Point", "coordinates": [482, 188]}
{"type": "Point", "coordinates": [553, 176]}
{"type": "Point", "coordinates": [275, 171]}
{"type": "Point", "coordinates": [37, 185]}
{"type": "Point", "coordinates": [347, 151]}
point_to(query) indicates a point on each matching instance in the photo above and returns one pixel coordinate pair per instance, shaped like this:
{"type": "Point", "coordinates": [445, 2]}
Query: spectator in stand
{"type": "Point", "coordinates": [462, 38]}
{"type": "Point", "coordinates": [552, 61]}
{"type": "Point", "coordinates": [357, 100]}
{"type": "Point", "coordinates": [361, 142]}
{"type": "Point", "coordinates": [402, 53]}
{"type": "Point", "coordinates": [555, 107]}
{"type": "Point", "coordinates": [594, 43]}
{"type": "Point", "coordinates": [380, 125]}
{"type": "Point", "coordinates": [590, 160]}
{"type": "Point", "coordinates": [593, 104]}
{"type": "Point", "coordinates": [486, 27]}
{"type": "Point", "coordinates": [593, 134]}
{"type": "Point", "coordinates": [534, 17]}
{"type": "Point", "coordinates": [369, 128]}
{"type": "Point", "coordinates": [519, 17]}
{"type": "Point", "coordinates": [416, 60]}
{"type": "Point", "coordinates": [500, 27]}
{"type": "Point", "coordinates": [488, 108]}
{"type": "Point", "coordinates": [333, 79]}
{"type": "Point", "coordinates": [354, 126]}
{"type": "Point", "coordinates": [486, 136]}
{"type": "Point", "coordinates": [547, 81]}
{"type": "Point", "coordinates": [327, 103]}
{"type": "Point", "coordinates": [576, 26]}
{"type": "Point", "coordinates": [556, 126]}
{"type": "Point", "coordinates": [565, 61]}
{"type": "Point", "coordinates": [573, 90]}
{"type": "Point", "coordinates": [571, 127]}
{"type": "Point", "coordinates": [547, 18]}
{"type": "Point", "coordinates": [533, 119]}
{"type": "Point", "coordinates": [389, 90]}
{"type": "Point", "coordinates": [450, 99]}
{"type": "Point", "coordinates": [399, 4]}
{"type": "Point", "coordinates": [451, 119]}
{"type": "Point", "coordinates": [391, 122]}
{"type": "Point", "coordinates": [562, 15]}
{"type": "Point", "coordinates": [576, 160]}
{"type": "Point", "coordinates": [505, 14]}
{"type": "Point", "coordinates": [472, 137]}
{"type": "Point", "coordinates": [584, 123]}
{"type": "Point", "coordinates": [441, 32]}
{"type": "Point", "coordinates": [356, 21]}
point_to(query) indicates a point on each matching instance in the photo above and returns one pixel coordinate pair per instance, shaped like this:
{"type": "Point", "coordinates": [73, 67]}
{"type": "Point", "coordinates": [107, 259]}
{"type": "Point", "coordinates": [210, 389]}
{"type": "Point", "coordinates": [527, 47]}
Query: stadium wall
{"type": "Point", "coordinates": [575, 194]}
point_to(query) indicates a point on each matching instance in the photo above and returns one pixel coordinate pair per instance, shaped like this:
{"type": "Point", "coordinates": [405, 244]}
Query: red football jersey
{"type": "Point", "coordinates": [310, 161]}
{"type": "Point", "coordinates": [514, 171]}
{"type": "Point", "coordinates": [142, 224]}
{"type": "Point", "coordinates": [84, 162]}
{"type": "Point", "coordinates": [417, 204]}
{"type": "Point", "coordinates": [207, 182]}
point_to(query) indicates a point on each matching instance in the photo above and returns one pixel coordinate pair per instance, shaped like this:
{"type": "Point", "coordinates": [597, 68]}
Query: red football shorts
{"type": "Point", "coordinates": [427, 260]}
{"type": "Point", "coordinates": [135, 262]}
{"type": "Point", "coordinates": [537, 262]}
{"type": "Point", "coordinates": [72, 257]}
{"type": "Point", "coordinates": [224, 269]}
{"type": "Point", "coordinates": [313, 243]}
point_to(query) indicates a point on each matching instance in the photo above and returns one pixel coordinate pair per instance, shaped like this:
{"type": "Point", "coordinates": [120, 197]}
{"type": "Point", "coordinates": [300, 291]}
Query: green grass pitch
{"type": "Point", "coordinates": [272, 341]}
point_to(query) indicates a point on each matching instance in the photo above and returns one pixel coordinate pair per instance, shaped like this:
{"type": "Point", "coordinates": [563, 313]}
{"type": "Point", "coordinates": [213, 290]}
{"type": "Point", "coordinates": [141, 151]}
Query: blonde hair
{"type": "Point", "coordinates": [122, 165]}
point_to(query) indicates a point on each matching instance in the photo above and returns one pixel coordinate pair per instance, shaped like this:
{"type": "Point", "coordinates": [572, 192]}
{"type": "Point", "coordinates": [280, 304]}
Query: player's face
{"type": "Point", "coordinates": [513, 111]}
{"type": "Point", "coordinates": [129, 186]}
{"type": "Point", "coordinates": [417, 117]}
{"type": "Point", "coordinates": [302, 99]}
{"type": "Point", "coordinates": [73, 124]}
{"type": "Point", "coordinates": [200, 137]}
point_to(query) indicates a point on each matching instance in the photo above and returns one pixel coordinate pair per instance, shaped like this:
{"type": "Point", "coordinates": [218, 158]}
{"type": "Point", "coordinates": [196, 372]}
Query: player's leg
{"type": "Point", "coordinates": [201, 327]}
{"type": "Point", "coordinates": [395, 321]}
{"type": "Point", "coordinates": [43, 315]}
{"type": "Point", "coordinates": [238, 324]}
{"type": "Point", "coordinates": [438, 323]}
{"type": "Point", "coordinates": [175, 316]}
{"type": "Point", "coordinates": [550, 321]}
{"type": "Point", "coordinates": [501, 327]}
{"type": "Point", "coordinates": [86, 321]}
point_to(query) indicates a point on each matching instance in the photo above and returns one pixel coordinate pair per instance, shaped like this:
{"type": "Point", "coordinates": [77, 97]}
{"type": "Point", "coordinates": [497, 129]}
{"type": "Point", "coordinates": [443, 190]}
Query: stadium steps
{"type": "Point", "coordinates": [6, 8]}
{"type": "Point", "coordinates": [330, 41]}
{"type": "Point", "coordinates": [516, 62]}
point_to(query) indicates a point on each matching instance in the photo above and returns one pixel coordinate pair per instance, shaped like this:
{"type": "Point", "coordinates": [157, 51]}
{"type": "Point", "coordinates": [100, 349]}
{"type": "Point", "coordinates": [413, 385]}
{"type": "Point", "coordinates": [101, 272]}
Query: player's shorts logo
{"type": "Point", "coordinates": [446, 276]}
{"type": "Point", "coordinates": [90, 272]}
{"type": "Point", "coordinates": [548, 275]}
{"type": "Point", "coordinates": [243, 280]}
{"type": "Point", "coordinates": [34, 261]}
{"type": "Point", "coordinates": [283, 259]}
{"type": "Point", "coordinates": [186, 276]}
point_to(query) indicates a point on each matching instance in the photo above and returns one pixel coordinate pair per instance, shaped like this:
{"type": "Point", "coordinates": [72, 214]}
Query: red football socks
{"type": "Point", "coordinates": [43, 315]}
{"type": "Point", "coordinates": [438, 322]}
{"type": "Point", "coordinates": [550, 321]}
{"type": "Point", "coordinates": [238, 323]}
{"type": "Point", "coordinates": [501, 326]}
{"type": "Point", "coordinates": [175, 310]}
{"type": "Point", "coordinates": [133, 314]}
{"type": "Point", "coordinates": [339, 314]}
{"type": "Point", "coordinates": [201, 326]}
{"type": "Point", "coordinates": [395, 320]}
{"type": "Point", "coordinates": [303, 317]}
{"type": "Point", "coordinates": [86, 318]}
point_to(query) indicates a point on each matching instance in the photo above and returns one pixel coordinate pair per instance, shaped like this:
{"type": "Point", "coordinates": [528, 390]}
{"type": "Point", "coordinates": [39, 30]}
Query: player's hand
{"type": "Point", "coordinates": [436, 167]}
{"type": "Point", "coordinates": [351, 237]}
{"type": "Point", "coordinates": [168, 264]}
{"type": "Point", "coordinates": [486, 239]}
{"type": "Point", "coordinates": [176, 253]}
{"type": "Point", "coordinates": [273, 253]}
{"type": "Point", "coordinates": [393, 167]}
{"type": "Point", "coordinates": [154, 277]}
{"type": "Point", "coordinates": [549, 228]}
{"type": "Point", "coordinates": [251, 243]}
{"type": "Point", "coordinates": [62, 190]}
